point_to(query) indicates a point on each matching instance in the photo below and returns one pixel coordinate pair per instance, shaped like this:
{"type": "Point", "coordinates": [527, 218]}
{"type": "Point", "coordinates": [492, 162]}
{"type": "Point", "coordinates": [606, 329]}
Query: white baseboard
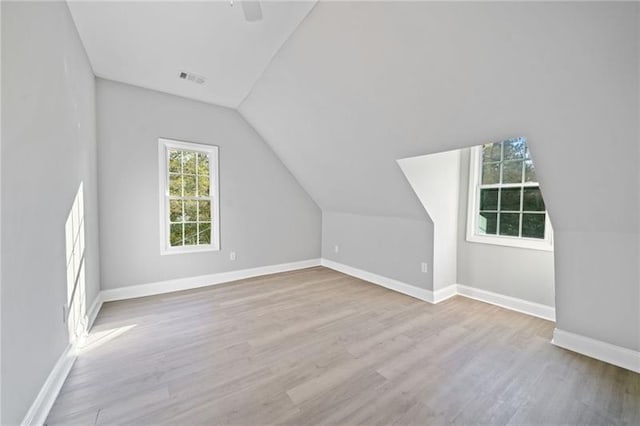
{"type": "Point", "coordinates": [616, 355]}
{"type": "Point", "coordinates": [39, 410]}
{"type": "Point", "coordinates": [445, 293]}
{"type": "Point", "coordinates": [201, 281]}
{"type": "Point", "coordinates": [93, 311]}
{"type": "Point", "coordinates": [508, 302]}
{"type": "Point", "coordinates": [390, 283]}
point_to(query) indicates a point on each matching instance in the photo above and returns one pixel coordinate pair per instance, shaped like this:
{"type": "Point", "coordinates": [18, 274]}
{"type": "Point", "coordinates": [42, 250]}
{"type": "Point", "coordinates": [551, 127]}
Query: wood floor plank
{"type": "Point", "coordinates": [318, 347]}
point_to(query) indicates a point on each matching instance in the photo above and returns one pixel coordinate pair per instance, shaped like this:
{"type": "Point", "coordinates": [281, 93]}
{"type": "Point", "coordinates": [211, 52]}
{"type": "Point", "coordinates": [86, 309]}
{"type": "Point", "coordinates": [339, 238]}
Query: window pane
{"type": "Point", "coordinates": [175, 185]}
{"type": "Point", "coordinates": [175, 210]}
{"type": "Point", "coordinates": [204, 233]}
{"type": "Point", "coordinates": [189, 162]}
{"type": "Point", "coordinates": [527, 154]}
{"type": "Point", "coordinates": [203, 186]}
{"type": "Point", "coordinates": [510, 224]}
{"type": "Point", "coordinates": [533, 225]}
{"type": "Point", "coordinates": [529, 172]}
{"type": "Point", "coordinates": [190, 234]}
{"type": "Point", "coordinates": [510, 199]}
{"type": "Point", "coordinates": [487, 223]}
{"type": "Point", "coordinates": [514, 149]}
{"type": "Point", "coordinates": [512, 172]}
{"type": "Point", "coordinates": [533, 200]}
{"type": "Point", "coordinates": [175, 161]}
{"type": "Point", "coordinates": [189, 186]}
{"type": "Point", "coordinates": [489, 199]}
{"type": "Point", "coordinates": [491, 152]}
{"type": "Point", "coordinates": [203, 164]}
{"type": "Point", "coordinates": [490, 173]}
{"type": "Point", "coordinates": [176, 235]}
{"type": "Point", "coordinates": [204, 211]}
{"type": "Point", "coordinates": [190, 211]}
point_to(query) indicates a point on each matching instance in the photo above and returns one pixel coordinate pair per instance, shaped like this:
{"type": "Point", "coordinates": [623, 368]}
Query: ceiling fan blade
{"type": "Point", "coordinates": [252, 10]}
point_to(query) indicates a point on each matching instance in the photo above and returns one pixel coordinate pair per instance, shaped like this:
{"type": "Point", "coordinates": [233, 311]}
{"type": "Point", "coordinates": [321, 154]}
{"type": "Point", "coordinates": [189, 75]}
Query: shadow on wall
{"type": "Point", "coordinates": [75, 310]}
{"type": "Point", "coordinates": [491, 226]}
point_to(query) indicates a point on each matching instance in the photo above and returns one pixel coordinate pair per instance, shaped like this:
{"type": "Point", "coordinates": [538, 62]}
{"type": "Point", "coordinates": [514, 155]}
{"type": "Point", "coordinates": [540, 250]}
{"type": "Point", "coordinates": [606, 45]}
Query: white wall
{"type": "Point", "coordinates": [435, 178]}
{"type": "Point", "coordinates": [388, 246]}
{"type": "Point", "coordinates": [265, 216]}
{"type": "Point", "coordinates": [522, 273]}
{"type": "Point", "coordinates": [48, 149]}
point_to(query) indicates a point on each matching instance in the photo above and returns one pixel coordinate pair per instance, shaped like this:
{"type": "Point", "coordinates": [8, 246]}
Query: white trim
{"type": "Point", "coordinates": [214, 195]}
{"type": "Point", "coordinates": [508, 302]}
{"type": "Point", "coordinates": [390, 283]}
{"type": "Point", "coordinates": [93, 311]}
{"type": "Point", "coordinates": [445, 293]}
{"type": "Point", "coordinates": [475, 159]}
{"type": "Point", "coordinates": [201, 281]}
{"type": "Point", "coordinates": [612, 354]}
{"type": "Point", "coordinates": [39, 410]}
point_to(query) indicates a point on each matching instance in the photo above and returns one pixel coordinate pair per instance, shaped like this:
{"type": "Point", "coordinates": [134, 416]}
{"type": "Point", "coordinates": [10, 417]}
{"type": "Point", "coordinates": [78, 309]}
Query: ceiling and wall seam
{"type": "Point", "coordinates": [148, 44]}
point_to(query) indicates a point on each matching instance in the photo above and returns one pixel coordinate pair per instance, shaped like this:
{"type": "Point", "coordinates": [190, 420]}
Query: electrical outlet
{"type": "Point", "coordinates": [336, 248]}
{"type": "Point", "coordinates": [424, 267]}
{"type": "Point", "coordinates": [232, 255]}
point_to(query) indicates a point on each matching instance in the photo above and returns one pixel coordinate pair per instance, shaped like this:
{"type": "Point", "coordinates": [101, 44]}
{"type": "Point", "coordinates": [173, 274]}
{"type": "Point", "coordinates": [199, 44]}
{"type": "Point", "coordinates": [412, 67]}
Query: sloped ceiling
{"type": "Point", "coordinates": [359, 85]}
{"type": "Point", "coordinates": [148, 43]}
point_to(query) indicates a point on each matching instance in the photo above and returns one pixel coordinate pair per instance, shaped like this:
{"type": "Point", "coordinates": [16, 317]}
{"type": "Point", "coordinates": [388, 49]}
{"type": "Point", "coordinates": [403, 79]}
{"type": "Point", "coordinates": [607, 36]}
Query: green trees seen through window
{"type": "Point", "coordinates": [511, 203]}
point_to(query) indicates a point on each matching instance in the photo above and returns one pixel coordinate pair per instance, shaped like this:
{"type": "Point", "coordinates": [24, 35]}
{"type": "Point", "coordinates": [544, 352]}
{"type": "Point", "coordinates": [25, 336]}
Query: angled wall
{"type": "Point", "coordinates": [435, 178]}
{"type": "Point", "coordinates": [265, 216]}
{"type": "Point", "coordinates": [353, 90]}
{"type": "Point", "coordinates": [48, 149]}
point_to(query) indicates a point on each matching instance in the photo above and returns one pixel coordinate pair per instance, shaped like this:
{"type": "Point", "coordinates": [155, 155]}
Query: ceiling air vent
{"type": "Point", "coordinates": [189, 76]}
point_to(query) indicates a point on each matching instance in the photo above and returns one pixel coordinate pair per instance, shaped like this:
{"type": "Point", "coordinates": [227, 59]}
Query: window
{"type": "Point", "coordinates": [505, 202]}
{"type": "Point", "coordinates": [189, 205]}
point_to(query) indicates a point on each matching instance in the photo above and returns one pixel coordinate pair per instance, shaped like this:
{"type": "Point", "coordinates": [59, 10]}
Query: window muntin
{"type": "Point", "coordinates": [189, 197]}
{"type": "Point", "coordinates": [506, 205]}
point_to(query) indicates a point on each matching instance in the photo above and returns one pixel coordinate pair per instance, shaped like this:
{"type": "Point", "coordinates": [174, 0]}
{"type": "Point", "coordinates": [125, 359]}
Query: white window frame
{"type": "Point", "coordinates": [475, 167]}
{"type": "Point", "coordinates": [164, 145]}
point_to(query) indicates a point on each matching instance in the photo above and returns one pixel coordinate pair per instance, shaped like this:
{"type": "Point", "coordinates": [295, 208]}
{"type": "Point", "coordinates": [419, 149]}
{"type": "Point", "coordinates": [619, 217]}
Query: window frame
{"type": "Point", "coordinates": [164, 145]}
{"type": "Point", "coordinates": [473, 209]}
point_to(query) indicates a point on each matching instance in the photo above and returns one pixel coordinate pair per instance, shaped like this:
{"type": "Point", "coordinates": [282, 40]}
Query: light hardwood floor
{"type": "Point", "coordinates": [319, 347]}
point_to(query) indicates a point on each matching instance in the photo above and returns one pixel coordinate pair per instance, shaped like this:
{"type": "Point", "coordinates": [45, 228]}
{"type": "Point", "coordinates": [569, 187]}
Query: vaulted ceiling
{"type": "Point", "coordinates": [361, 84]}
{"type": "Point", "coordinates": [148, 44]}
{"type": "Point", "coordinates": [343, 89]}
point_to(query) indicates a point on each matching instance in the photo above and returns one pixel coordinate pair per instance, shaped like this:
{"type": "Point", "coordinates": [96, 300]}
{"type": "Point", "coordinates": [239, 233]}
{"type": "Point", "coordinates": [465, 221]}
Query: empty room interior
{"type": "Point", "coordinates": [319, 212]}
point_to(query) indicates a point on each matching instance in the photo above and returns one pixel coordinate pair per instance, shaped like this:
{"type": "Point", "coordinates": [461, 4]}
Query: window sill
{"type": "Point", "coordinates": [187, 250]}
{"type": "Point", "coordinates": [529, 244]}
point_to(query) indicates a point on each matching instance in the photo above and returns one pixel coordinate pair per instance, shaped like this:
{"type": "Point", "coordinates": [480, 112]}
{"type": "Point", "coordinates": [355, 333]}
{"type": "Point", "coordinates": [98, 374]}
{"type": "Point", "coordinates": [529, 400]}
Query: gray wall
{"type": "Point", "coordinates": [340, 106]}
{"type": "Point", "coordinates": [48, 148]}
{"type": "Point", "coordinates": [265, 216]}
{"type": "Point", "coordinates": [388, 246]}
{"type": "Point", "coordinates": [516, 272]}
